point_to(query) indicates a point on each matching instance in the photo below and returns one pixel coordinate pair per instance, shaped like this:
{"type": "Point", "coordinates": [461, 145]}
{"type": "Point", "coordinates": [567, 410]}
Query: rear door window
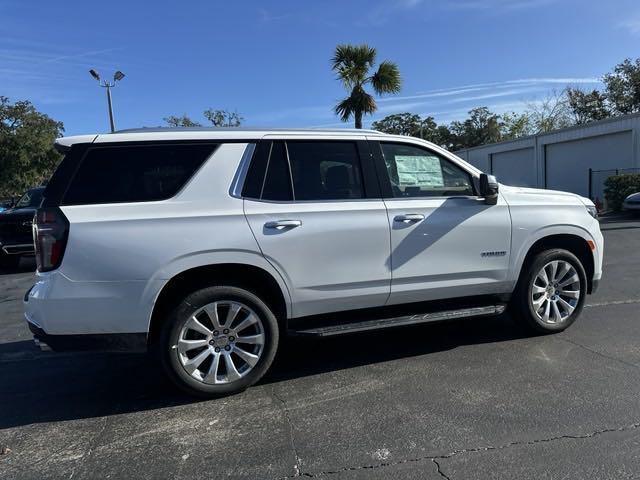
{"type": "Point", "coordinates": [325, 170]}
{"type": "Point", "coordinates": [135, 173]}
{"type": "Point", "coordinates": [277, 183]}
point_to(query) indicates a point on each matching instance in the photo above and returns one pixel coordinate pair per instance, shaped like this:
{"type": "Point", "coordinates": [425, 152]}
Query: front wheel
{"type": "Point", "coordinates": [219, 341]}
{"type": "Point", "coordinates": [551, 291]}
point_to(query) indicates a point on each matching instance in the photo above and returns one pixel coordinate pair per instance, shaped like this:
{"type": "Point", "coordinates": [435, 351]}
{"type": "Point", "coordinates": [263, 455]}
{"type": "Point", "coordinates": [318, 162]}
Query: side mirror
{"type": "Point", "coordinates": [489, 188]}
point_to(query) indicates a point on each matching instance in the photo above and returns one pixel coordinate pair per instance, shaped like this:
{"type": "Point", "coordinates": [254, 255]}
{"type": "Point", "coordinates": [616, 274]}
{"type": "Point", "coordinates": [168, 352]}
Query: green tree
{"type": "Point", "coordinates": [619, 187]}
{"type": "Point", "coordinates": [223, 118]}
{"type": "Point", "coordinates": [399, 124]}
{"type": "Point", "coordinates": [622, 87]}
{"type": "Point", "coordinates": [482, 127]}
{"type": "Point", "coordinates": [181, 121]}
{"type": "Point", "coordinates": [515, 125]}
{"type": "Point", "coordinates": [588, 106]}
{"type": "Point", "coordinates": [353, 64]}
{"type": "Point", "coordinates": [413, 125]}
{"type": "Point", "coordinates": [27, 155]}
{"type": "Point", "coordinates": [446, 139]}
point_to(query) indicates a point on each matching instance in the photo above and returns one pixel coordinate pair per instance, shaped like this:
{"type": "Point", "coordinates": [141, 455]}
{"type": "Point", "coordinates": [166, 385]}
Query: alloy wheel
{"type": "Point", "coordinates": [555, 292]}
{"type": "Point", "coordinates": [221, 342]}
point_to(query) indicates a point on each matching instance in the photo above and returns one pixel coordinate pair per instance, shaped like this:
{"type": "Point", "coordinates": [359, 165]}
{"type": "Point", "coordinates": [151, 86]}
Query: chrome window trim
{"type": "Point", "coordinates": [239, 178]}
{"type": "Point", "coordinates": [291, 202]}
{"type": "Point", "coordinates": [439, 197]}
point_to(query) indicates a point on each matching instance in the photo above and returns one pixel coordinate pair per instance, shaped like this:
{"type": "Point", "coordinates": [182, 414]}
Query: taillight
{"type": "Point", "coordinates": [50, 232]}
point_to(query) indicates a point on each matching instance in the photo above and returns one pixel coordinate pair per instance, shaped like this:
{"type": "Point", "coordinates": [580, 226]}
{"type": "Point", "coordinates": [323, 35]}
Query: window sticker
{"type": "Point", "coordinates": [419, 170]}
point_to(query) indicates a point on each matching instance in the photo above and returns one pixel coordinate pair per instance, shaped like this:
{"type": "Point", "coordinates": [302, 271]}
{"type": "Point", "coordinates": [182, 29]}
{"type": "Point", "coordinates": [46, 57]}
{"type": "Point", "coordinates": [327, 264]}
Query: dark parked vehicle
{"type": "Point", "coordinates": [16, 238]}
{"type": "Point", "coordinates": [6, 204]}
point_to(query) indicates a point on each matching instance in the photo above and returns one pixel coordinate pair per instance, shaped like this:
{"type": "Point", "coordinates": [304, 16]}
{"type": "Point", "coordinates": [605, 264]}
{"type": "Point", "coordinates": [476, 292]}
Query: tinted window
{"type": "Point", "coordinates": [254, 179]}
{"type": "Point", "coordinates": [415, 172]}
{"type": "Point", "coordinates": [277, 183]}
{"type": "Point", "coordinates": [134, 173]}
{"type": "Point", "coordinates": [325, 170]}
{"type": "Point", "coordinates": [31, 199]}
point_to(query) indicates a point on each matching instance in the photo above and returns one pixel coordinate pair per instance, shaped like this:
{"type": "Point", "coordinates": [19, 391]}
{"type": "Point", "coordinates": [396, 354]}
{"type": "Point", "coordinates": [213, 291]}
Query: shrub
{"type": "Point", "coordinates": [619, 187]}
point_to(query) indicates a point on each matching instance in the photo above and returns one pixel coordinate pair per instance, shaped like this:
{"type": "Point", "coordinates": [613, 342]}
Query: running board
{"type": "Point", "coordinates": [352, 327]}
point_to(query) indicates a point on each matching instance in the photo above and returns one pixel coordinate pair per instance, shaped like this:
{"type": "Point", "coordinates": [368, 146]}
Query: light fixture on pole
{"type": "Point", "coordinates": [108, 84]}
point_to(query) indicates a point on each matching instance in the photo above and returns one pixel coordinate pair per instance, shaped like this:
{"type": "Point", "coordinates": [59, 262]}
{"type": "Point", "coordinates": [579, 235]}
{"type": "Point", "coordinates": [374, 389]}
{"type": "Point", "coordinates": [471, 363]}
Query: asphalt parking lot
{"type": "Point", "coordinates": [468, 399]}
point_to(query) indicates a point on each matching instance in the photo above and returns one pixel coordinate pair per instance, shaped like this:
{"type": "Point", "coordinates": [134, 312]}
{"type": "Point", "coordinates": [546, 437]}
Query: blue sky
{"type": "Point", "coordinates": [270, 60]}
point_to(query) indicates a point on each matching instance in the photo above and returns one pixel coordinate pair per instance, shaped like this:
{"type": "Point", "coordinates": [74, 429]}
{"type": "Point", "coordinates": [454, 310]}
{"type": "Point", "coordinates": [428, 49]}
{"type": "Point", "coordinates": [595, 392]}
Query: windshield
{"type": "Point", "coordinates": [33, 198]}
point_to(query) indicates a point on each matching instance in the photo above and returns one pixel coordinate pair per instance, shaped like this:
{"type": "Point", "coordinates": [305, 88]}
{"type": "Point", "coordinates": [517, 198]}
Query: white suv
{"type": "Point", "coordinates": [206, 246]}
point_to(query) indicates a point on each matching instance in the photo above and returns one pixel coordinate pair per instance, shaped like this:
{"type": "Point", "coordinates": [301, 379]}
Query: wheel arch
{"type": "Point", "coordinates": [252, 277]}
{"type": "Point", "coordinates": [572, 242]}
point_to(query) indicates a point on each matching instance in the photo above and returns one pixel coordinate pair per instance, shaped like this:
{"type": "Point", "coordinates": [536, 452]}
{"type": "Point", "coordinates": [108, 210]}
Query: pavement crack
{"type": "Point", "coordinates": [613, 302]}
{"type": "Point", "coordinates": [440, 472]}
{"type": "Point", "coordinates": [285, 411]}
{"type": "Point", "coordinates": [596, 352]}
{"type": "Point", "coordinates": [446, 456]}
{"type": "Point", "coordinates": [87, 454]}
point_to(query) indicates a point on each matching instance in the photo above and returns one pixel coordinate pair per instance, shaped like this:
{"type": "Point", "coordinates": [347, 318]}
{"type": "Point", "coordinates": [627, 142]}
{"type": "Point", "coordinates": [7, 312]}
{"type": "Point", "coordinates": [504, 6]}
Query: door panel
{"type": "Point", "coordinates": [445, 241]}
{"type": "Point", "coordinates": [321, 222]}
{"type": "Point", "coordinates": [333, 255]}
{"type": "Point", "coordinates": [460, 248]}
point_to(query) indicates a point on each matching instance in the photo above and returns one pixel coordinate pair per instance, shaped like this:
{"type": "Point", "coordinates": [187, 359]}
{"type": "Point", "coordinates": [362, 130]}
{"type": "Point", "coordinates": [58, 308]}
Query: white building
{"type": "Point", "coordinates": [562, 159]}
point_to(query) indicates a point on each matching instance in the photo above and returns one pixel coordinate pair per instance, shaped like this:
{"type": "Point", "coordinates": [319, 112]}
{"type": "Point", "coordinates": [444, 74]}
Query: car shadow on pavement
{"type": "Point", "coordinates": [27, 264]}
{"type": "Point", "coordinates": [37, 387]}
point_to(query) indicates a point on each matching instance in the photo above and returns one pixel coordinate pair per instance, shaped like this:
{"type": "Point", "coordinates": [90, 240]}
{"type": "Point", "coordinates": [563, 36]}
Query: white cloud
{"type": "Point", "coordinates": [380, 14]}
{"type": "Point", "coordinates": [266, 16]}
{"type": "Point", "coordinates": [442, 103]}
{"type": "Point", "coordinates": [447, 92]}
{"type": "Point", "coordinates": [632, 26]}
{"type": "Point", "coordinates": [73, 56]}
{"type": "Point", "coordinates": [445, 104]}
{"type": "Point", "coordinates": [498, 4]}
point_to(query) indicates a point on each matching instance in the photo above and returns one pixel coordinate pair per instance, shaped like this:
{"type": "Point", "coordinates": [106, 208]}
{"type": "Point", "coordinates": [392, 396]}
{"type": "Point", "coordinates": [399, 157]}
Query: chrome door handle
{"type": "Point", "coordinates": [409, 218]}
{"type": "Point", "coordinates": [282, 224]}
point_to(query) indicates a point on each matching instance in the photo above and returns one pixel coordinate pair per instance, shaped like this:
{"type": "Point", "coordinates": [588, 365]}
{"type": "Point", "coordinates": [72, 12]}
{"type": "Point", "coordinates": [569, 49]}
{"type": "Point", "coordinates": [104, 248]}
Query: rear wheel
{"type": "Point", "coordinates": [219, 341]}
{"type": "Point", "coordinates": [551, 291]}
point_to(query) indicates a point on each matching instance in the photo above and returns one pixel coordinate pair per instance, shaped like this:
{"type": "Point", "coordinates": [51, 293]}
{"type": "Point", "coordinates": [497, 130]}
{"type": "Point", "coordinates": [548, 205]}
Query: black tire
{"type": "Point", "coordinates": [172, 330]}
{"type": "Point", "coordinates": [522, 302]}
{"type": "Point", "coordinates": [9, 261]}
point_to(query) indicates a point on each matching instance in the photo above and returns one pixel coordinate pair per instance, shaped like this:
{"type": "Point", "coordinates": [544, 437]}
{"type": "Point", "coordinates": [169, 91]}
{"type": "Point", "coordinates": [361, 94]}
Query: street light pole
{"type": "Point", "coordinates": [108, 85]}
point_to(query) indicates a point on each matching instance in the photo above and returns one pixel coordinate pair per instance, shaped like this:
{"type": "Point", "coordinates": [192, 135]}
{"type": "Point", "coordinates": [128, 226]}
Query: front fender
{"type": "Point", "coordinates": [521, 247]}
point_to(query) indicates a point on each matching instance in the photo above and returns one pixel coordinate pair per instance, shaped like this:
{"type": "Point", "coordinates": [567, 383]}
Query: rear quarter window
{"type": "Point", "coordinates": [135, 173]}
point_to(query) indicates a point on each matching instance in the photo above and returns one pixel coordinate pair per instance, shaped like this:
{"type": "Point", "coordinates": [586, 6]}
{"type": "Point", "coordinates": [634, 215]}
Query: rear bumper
{"type": "Point", "coordinates": [108, 342]}
{"type": "Point", "coordinates": [61, 306]}
{"type": "Point", "coordinates": [67, 315]}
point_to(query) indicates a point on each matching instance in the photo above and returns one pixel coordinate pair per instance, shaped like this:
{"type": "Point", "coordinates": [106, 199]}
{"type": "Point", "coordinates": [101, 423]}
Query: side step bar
{"type": "Point", "coordinates": [352, 327]}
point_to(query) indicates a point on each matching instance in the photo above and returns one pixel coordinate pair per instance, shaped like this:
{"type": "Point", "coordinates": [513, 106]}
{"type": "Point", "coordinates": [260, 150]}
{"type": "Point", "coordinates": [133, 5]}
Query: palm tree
{"type": "Point", "coordinates": [352, 63]}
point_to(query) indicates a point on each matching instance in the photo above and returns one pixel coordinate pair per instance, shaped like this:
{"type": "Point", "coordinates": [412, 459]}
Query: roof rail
{"type": "Point", "coordinates": [247, 129]}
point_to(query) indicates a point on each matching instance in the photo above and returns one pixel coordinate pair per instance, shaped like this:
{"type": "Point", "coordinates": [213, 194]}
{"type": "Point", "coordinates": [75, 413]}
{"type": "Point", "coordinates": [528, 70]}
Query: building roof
{"type": "Point", "coordinates": [582, 126]}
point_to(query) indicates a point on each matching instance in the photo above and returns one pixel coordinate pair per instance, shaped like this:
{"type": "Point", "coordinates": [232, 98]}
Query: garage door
{"type": "Point", "coordinates": [516, 167]}
{"type": "Point", "coordinates": [567, 163]}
